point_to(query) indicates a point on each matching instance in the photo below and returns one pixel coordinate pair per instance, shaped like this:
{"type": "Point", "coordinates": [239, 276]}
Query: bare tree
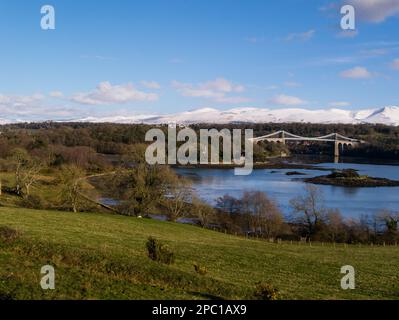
{"type": "Point", "coordinates": [26, 170]}
{"type": "Point", "coordinates": [228, 204]}
{"type": "Point", "coordinates": [18, 159]}
{"type": "Point", "coordinates": [310, 207]}
{"type": "Point", "coordinates": [390, 221]}
{"type": "Point", "coordinates": [176, 198]}
{"type": "Point", "coordinates": [203, 211]}
{"type": "Point", "coordinates": [71, 179]}
{"type": "Point", "coordinates": [264, 217]}
{"type": "Point", "coordinates": [335, 225]}
{"type": "Point", "coordinates": [29, 175]}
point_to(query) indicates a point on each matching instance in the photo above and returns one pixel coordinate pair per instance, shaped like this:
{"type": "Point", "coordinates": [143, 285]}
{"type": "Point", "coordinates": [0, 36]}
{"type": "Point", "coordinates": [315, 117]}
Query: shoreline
{"type": "Point", "coordinates": [366, 182]}
{"type": "Point", "coordinates": [256, 166]}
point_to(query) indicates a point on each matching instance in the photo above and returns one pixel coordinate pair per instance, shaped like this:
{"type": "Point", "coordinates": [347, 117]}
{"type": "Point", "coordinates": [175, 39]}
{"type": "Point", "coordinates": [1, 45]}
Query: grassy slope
{"type": "Point", "coordinates": [103, 256]}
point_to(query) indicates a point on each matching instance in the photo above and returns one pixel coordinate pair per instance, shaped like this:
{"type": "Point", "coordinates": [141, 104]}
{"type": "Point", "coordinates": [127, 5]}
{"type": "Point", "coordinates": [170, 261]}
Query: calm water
{"type": "Point", "coordinates": [213, 183]}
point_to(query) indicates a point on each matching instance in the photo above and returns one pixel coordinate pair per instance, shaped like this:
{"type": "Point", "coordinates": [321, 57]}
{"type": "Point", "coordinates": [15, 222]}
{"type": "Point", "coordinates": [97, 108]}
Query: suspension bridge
{"type": "Point", "coordinates": [340, 142]}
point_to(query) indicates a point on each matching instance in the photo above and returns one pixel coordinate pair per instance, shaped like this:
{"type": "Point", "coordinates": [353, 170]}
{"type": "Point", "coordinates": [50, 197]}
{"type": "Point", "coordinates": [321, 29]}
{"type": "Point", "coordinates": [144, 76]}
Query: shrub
{"type": "Point", "coordinates": [265, 291]}
{"type": "Point", "coordinates": [8, 234]}
{"type": "Point", "coordinates": [159, 251]}
{"type": "Point", "coordinates": [345, 173]}
{"type": "Point", "coordinates": [33, 202]}
{"type": "Point", "coordinates": [4, 296]}
{"type": "Point", "coordinates": [201, 270]}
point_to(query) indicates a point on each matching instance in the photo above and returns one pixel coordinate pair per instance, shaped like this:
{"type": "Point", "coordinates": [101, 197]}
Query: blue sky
{"type": "Point", "coordinates": [125, 57]}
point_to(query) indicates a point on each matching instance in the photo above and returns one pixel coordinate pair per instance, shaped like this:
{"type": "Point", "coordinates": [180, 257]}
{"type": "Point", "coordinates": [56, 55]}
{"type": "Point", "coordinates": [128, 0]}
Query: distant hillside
{"type": "Point", "coordinates": [100, 256]}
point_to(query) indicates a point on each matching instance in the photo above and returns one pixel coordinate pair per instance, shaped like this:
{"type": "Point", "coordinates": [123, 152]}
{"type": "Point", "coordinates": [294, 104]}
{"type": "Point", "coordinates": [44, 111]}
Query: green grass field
{"type": "Point", "coordinates": [100, 256]}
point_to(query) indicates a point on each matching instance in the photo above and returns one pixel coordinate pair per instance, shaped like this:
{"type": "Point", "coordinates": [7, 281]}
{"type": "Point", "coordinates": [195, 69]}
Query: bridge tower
{"type": "Point", "coordinates": [336, 149]}
{"type": "Point", "coordinates": [336, 146]}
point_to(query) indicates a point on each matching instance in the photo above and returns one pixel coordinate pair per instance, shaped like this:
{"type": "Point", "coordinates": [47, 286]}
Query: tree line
{"type": "Point", "coordinates": [255, 214]}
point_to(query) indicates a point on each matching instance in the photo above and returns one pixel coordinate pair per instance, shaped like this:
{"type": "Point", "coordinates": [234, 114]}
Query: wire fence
{"type": "Point", "coordinates": [304, 242]}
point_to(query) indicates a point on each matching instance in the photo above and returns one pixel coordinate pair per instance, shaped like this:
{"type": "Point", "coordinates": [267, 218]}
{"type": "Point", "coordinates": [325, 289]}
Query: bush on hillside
{"type": "Point", "coordinates": [201, 270]}
{"type": "Point", "coordinates": [8, 235]}
{"type": "Point", "coordinates": [160, 252]}
{"type": "Point", "coordinates": [34, 202]}
{"type": "Point", "coordinates": [265, 291]}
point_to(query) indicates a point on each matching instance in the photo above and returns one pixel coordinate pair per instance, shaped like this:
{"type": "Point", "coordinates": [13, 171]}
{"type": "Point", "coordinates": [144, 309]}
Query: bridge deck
{"type": "Point", "coordinates": [286, 136]}
{"type": "Point", "coordinates": [306, 139]}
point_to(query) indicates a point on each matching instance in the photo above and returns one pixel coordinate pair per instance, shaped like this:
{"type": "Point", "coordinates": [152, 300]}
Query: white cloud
{"type": "Point", "coordinates": [20, 101]}
{"type": "Point", "coordinates": [303, 36]}
{"type": "Point", "coordinates": [395, 64]}
{"type": "Point", "coordinates": [188, 90]}
{"type": "Point", "coordinates": [372, 53]}
{"type": "Point", "coordinates": [356, 73]}
{"type": "Point", "coordinates": [106, 93]}
{"type": "Point", "coordinates": [375, 10]}
{"type": "Point", "coordinates": [285, 100]}
{"type": "Point", "coordinates": [233, 100]}
{"type": "Point", "coordinates": [347, 34]}
{"type": "Point", "coordinates": [56, 94]}
{"type": "Point", "coordinates": [150, 84]}
{"type": "Point", "coordinates": [30, 107]}
{"type": "Point", "coordinates": [340, 104]}
{"type": "Point", "coordinates": [333, 61]}
{"type": "Point", "coordinates": [328, 7]}
{"type": "Point", "coordinates": [219, 90]}
{"type": "Point", "coordinates": [222, 85]}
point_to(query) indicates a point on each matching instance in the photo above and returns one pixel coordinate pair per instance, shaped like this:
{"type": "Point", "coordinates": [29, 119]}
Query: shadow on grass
{"type": "Point", "coordinates": [206, 295]}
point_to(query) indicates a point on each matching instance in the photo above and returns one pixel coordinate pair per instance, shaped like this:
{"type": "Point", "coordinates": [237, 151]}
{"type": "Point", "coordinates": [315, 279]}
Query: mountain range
{"type": "Point", "coordinates": [387, 115]}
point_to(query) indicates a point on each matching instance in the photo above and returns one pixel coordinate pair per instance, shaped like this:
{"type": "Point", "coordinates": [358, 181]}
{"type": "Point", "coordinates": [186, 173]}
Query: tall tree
{"type": "Point", "coordinates": [263, 215]}
{"type": "Point", "coordinates": [71, 180]}
{"type": "Point", "coordinates": [177, 197]}
{"type": "Point", "coordinates": [203, 211]}
{"type": "Point", "coordinates": [390, 221]}
{"type": "Point", "coordinates": [26, 170]}
{"type": "Point", "coordinates": [310, 208]}
{"type": "Point", "coordinates": [142, 187]}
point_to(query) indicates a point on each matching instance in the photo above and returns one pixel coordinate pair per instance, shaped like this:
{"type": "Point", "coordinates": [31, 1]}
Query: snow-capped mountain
{"type": "Point", "coordinates": [387, 115]}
